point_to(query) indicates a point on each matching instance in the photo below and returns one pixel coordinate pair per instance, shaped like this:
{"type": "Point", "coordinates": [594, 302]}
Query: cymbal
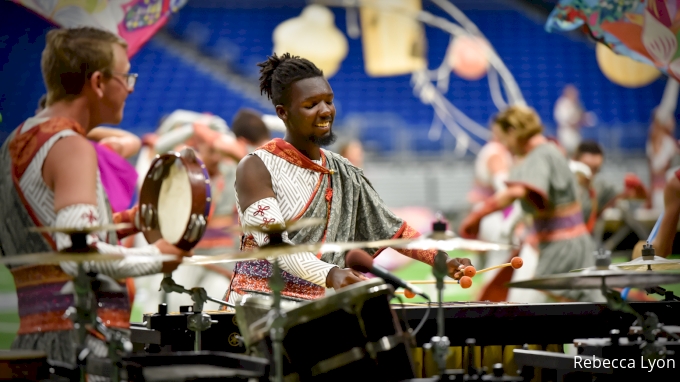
{"type": "Point", "coordinates": [657, 264]}
{"type": "Point", "coordinates": [452, 244]}
{"type": "Point", "coordinates": [268, 252]}
{"type": "Point", "coordinates": [287, 226]}
{"type": "Point", "coordinates": [592, 279]}
{"type": "Point", "coordinates": [57, 257]}
{"type": "Point", "coordinates": [83, 230]}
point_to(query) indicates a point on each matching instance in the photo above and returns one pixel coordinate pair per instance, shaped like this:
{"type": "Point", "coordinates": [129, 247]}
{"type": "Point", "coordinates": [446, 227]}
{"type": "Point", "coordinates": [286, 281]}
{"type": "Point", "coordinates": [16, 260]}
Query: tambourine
{"type": "Point", "coordinates": [175, 200]}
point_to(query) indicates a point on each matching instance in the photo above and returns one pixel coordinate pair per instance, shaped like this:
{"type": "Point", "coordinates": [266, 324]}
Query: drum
{"type": "Point", "coordinates": [175, 200]}
{"type": "Point", "coordinates": [351, 334]}
{"type": "Point", "coordinates": [23, 365]}
{"type": "Point", "coordinates": [255, 306]}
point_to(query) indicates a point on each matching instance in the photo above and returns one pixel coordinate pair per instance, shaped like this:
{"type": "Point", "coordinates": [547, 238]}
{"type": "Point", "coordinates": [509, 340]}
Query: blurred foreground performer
{"type": "Point", "coordinates": [51, 179]}
{"type": "Point", "coordinates": [663, 242]}
{"type": "Point", "coordinates": [547, 189]}
{"type": "Point", "coordinates": [595, 193]}
{"type": "Point", "coordinates": [662, 147]}
{"type": "Point", "coordinates": [114, 147]}
{"type": "Point", "coordinates": [294, 178]}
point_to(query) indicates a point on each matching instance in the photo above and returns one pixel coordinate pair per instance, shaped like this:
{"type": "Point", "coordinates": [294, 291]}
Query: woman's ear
{"type": "Point", "coordinates": [282, 113]}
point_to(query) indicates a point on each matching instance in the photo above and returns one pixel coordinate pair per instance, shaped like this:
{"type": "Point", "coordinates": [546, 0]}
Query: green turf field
{"type": "Point", "coordinates": [9, 319]}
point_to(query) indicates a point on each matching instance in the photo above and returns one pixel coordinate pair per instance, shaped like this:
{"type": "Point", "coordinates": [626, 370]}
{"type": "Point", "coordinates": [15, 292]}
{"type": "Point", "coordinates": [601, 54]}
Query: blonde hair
{"type": "Point", "coordinates": [71, 56]}
{"type": "Point", "coordinates": [521, 118]}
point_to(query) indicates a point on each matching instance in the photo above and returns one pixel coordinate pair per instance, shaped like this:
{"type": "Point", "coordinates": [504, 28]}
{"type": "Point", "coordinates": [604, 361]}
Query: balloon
{"type": "Point", "coordinates": [468, 57]}
{"type": "Point", "coordinates": [623, 70]}
{"type": "Point", "coordinates": [314, 36]}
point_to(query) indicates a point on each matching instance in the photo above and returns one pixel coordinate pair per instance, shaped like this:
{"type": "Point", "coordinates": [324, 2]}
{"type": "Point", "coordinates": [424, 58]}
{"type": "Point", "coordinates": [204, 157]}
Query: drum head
{"type": "Point", "coordinates": [174, 203]}
{"type": "Point", "coordinates": [343, 299]}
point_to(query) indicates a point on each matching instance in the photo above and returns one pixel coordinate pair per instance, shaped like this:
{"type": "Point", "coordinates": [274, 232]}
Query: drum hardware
{"type": "Point", "coordinates": [198, 321]}
{"type": "Point", "coordinates": [649, 322]}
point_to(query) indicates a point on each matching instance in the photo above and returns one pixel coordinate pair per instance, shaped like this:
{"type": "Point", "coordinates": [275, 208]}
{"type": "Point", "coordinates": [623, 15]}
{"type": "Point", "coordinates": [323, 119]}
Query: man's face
{"type": "Point", "coordinates": [594, 161]}
{"type": "Point", "coordinates": [311, 111]}
{"type": "Point", "coordinates": [116, 89]}
{"type": "Point", "coordinates": [210, 156]}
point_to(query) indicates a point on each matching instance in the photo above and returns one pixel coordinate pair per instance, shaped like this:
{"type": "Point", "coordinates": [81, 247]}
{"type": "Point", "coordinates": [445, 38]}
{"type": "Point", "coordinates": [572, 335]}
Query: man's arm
{"type": "Point", "coordinates": [122, 142]}
{"type": "Point", "coordinates": [257, 202]}
{"type": "Point", "coordinates": [70, 170]}
{"type": "Point", "coordinates": [663, 242]}
{"type": "Point", "coordinates": [469, 228]}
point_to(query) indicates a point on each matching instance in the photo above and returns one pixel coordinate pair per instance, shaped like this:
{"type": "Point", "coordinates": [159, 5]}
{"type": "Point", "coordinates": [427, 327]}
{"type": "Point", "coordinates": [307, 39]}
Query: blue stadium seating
{"type": "Point", "coordinates": [542, 63]}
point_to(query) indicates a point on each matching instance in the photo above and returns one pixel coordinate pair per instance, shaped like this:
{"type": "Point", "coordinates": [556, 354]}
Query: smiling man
{"type": "Point", "coordinates": [292, 178]}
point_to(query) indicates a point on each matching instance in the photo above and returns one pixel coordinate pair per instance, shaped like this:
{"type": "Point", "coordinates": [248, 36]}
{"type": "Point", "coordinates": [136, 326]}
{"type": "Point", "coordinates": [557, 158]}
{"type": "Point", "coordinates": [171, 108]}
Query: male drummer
{"type": "Point", "coordinates": [50, 178]}
{"type": "Point", "coordinates": [219, 156]}
{"type": "Point", "coordinates": [596, 193]}
{"type": "Point", "coordinates": [293, 178]}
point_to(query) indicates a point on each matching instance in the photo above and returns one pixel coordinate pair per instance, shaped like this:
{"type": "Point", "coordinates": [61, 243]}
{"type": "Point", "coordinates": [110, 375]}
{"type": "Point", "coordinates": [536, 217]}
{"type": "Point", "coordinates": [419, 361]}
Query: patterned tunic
{"type": "Point", "coordinates": [331, 189]}
{"type": "Point", "coordinates": [29, 202]}
{"type": "Point", "coordinates": [564, 241]}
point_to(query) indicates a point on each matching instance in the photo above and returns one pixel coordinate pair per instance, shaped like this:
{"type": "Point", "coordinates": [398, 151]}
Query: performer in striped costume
{"type": "Point", "coordinates": [50, 178]}
{"type": "Point", "coordinates": [293, 178]}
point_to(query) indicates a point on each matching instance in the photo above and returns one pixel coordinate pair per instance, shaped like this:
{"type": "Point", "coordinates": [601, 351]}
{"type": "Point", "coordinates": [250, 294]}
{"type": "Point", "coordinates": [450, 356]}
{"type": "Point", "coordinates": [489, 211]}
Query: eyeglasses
{"type": "Point", "coordinates": [130, 79]}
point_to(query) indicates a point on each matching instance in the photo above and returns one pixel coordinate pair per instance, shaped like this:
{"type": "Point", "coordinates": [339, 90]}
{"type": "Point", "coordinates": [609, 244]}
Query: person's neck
{"type": "Point", "coordinates": [307, 148]}
{"type": "Point", "coordinates": [534, 142]}
{"type": "Point", "coordinates": [76, 110]}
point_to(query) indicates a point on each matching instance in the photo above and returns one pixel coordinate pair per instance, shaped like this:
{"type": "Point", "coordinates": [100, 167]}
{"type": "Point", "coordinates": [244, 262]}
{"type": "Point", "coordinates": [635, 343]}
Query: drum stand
{"type": "Point", "coordinates": [649, 323]}
{"type": "Point", "coordinates": [197, 320]}
{"type": "Point", "coordinates": [83, 313]}
{"type": "Point", "coordinates": [440, 343]}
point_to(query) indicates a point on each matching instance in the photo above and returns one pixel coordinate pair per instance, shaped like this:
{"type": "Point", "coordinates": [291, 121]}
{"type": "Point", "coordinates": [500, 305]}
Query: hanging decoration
{"type": "Point", "coordinates": [467, 56]}
{"type": "Point", "coordinates": [643, 30]}
{"type": "Point", "coordinates": [314, 36]}
{"type": "Point", "coordinates": [135, 21]}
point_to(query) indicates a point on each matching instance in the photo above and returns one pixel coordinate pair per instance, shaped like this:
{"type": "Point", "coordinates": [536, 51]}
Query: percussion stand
{"type": "Point", "coordinates": [648, 253]}
{"type": "Point", "coordinates": [197, 321]}
{"type": "Point", "coordinates": [83, 313]}
{"type": "Point", "coordinates": [277, 284]}
{"type": "Point", "coordinates": [440, 343]}
{"type": "Point", "coordinates": [650, 324]}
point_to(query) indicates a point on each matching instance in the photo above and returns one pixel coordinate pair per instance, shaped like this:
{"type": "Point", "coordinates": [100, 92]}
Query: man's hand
{"type": "Point", "coordinates": [634, 189]}
{"type": "Point", "coordinates": [469, 227]}
{"type": "Point", "coordinates": [339, 278]}
{"type": "Point", "coordinates": [168, 249]}
{"type": "Point", "coordinates": [456, 266]}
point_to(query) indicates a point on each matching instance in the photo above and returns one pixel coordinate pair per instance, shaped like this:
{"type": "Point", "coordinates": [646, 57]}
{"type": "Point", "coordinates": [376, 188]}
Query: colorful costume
{"type": "Point", "coordinates": [563, 240]}
{"type": "Point", "coordinates": [331, 189]}
{"type": "Point", "coordinates": [25, 202]}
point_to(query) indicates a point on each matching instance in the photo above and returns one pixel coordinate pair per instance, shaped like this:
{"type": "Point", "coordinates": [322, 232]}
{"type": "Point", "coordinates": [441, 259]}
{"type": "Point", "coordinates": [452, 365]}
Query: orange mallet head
{"type": "Point", "coordinates": [465, 282]}
{"type": "Point", "coordinates": [470, 271]}
{"type": "Point", "coordinates": [517, 262]}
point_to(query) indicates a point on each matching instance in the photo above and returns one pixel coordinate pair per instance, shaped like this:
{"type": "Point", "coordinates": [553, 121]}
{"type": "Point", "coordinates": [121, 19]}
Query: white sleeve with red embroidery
{"type": "Point", "coordinates": [139, 261]}
{"type": "Point", "coordinates": [303, 265]}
